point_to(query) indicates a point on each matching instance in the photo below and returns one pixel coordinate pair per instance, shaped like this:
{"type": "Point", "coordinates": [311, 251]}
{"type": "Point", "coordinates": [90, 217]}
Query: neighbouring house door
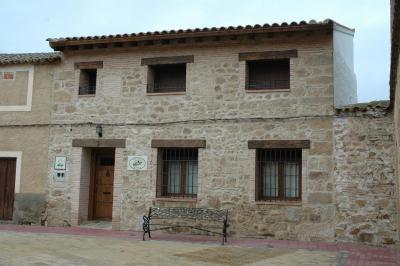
{"type": "Point", "coordinates": [7, 187]}
{"type": "Point", "coordinates": [104, 185]}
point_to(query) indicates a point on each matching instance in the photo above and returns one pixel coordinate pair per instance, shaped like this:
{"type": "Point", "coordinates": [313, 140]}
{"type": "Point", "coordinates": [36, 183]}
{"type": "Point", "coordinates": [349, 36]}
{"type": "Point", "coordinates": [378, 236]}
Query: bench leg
{"type": "Point", "coordinates": [224, 233]}
{"type": "Point", "coordinates": [146, 227]}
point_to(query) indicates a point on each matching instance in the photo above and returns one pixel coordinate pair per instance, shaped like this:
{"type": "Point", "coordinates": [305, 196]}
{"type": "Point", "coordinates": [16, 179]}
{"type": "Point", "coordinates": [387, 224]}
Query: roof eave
{"type": "Point", "coordinates": [58, 43]}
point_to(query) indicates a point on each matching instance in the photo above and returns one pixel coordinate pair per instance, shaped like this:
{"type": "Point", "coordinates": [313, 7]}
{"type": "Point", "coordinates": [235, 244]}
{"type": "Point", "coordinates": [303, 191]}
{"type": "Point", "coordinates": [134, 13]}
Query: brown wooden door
{"type": "Point", "coordinates": [7, 187]}
{"type": "Point", "coordinates": [104, 185]}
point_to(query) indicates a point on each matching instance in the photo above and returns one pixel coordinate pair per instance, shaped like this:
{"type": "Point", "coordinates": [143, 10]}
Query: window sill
{"type": "Point", "coordinates": [165, 93]}
{"type": "Point", "coordinates": [267, 90]}
{"type": "Point", "coordinates": [176, 199]}
{"type": "Point", "coordinates": [86, 95]}
{"type": "Point", "coordinates": [280, 203]}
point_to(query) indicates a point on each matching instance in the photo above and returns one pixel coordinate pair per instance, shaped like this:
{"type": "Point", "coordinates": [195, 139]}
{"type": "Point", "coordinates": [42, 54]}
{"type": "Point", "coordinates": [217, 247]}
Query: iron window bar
{"type": "Point", "coordinates": [177, 170]}
{"type": "Point", "coordinates": [87, 90]}
{"type": "Point", "coordinates": [278, 175]}
{"type": "Point", "coordinates": [268, 84]}
{"type": "Point", "coordinates": [154, 88]}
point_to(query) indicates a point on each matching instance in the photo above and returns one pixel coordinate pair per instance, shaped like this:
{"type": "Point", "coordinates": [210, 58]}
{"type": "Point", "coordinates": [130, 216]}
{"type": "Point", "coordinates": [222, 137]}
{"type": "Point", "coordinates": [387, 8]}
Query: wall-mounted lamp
{"type": "Point", "coordinates": [99, 131]}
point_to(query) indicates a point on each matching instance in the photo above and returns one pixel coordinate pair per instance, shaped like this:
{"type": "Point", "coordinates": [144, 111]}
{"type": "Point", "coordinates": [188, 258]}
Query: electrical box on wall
{"type": "Point", "coordinates": [59, 176]}
{"type": "Point", "coordinates": [60, 166]}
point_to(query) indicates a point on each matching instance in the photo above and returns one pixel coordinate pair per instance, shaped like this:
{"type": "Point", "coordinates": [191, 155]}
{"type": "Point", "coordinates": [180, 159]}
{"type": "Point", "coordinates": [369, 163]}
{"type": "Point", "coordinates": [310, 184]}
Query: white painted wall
{"type": "Point", "coordinates": [344, 78]}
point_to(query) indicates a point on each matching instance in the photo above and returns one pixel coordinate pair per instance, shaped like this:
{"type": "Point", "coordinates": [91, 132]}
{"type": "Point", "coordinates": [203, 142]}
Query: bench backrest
{"type": "Point", "coordinates": [188, 213]}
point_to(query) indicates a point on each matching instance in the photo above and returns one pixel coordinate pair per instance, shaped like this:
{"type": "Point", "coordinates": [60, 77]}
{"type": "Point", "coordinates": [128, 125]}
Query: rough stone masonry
{"type": "Point", "coordinates": [348, 185]}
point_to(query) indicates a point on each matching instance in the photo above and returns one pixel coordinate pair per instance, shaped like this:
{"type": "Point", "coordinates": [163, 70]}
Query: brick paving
{"type": "Point", "coordinates": [351, 254]}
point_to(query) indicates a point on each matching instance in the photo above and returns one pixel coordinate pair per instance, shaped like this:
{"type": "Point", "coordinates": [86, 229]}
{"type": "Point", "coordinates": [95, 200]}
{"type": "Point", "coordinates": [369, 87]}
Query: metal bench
{"type": "Point", "coordinates": [180, 213]}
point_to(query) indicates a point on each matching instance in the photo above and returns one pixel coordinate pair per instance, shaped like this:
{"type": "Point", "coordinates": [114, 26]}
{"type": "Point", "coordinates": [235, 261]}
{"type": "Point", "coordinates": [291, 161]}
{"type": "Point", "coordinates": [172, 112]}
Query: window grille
{"type": "Point", "coordinates": [268, 74]}
{"type": "Point", "coordinates": [177, 172]}
{"type": "Point", "coordinates": [278, 174]}
{"type": "Point", "coordinates": [87, 82]}
{"type": "Point", "coordinates": [166, 78]}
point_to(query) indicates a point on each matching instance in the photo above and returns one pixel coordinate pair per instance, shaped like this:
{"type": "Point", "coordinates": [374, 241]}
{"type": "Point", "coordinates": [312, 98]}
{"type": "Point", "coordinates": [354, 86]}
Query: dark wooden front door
{"type": "Point", "coordinates": [103, 186]}
{"type": "Point", "coordinates": [7, 187]}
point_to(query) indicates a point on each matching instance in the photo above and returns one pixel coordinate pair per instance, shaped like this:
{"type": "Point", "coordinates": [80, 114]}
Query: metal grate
{"type": "Point", "coordinates": [87, 90]}
{"type": "Point", "coordinates": [166, 78]}
{"type": "Point", "coordinates": [278, 175]}
{"type": "Point", "coordinates": [177, 172]}
{"type": "Point", "coordinates": [87, 81]}
{"type": "Point", "coordinates": [268, 74]}
{"type": "Point", "coordinates": [155, 88]}
{"type": "Point", "coordinates": [268, 84]}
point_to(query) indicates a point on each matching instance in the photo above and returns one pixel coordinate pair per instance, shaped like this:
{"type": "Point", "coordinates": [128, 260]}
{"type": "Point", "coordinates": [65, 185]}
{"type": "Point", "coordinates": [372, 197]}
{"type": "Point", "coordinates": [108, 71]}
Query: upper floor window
{"type": "Point", "coordinates": [7, 75]}
{"type": "Point", "coordinates": [167, 74]}
{"type": "Point", "coordinates": [268, 70]}
{"type": "Point", "coordinates": [166, 78]}
{"type": "Point", "coordinates": [268, 75]}
{"type": "Point", "coordinates": [88, 76]}
{"type": "Point", "coordinates": [87, 81]}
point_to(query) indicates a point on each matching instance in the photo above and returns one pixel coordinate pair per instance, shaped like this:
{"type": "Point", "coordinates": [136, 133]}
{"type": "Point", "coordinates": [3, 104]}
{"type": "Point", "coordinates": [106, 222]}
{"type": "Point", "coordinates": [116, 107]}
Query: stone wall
{"type": "Point", "coordinates": [215, 107]}
{"type": "Point", "coordinates": [29, 208]}
{"type": "Point", "coordinates": [226, 175]}
{"type": "Point", "coordinates": [365, 180]}
{"type": "Point", "coordinates": [215, 85]}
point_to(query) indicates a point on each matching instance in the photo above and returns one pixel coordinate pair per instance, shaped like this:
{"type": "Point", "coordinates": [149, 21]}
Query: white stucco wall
{"type": "Point", "coordinates": [345, 83]}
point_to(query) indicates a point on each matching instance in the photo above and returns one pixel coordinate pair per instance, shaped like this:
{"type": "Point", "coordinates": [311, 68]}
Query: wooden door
{"type": "Point", "coordinates": [7, 187]}
{"type": "Point", "coordinates": [103, 187]}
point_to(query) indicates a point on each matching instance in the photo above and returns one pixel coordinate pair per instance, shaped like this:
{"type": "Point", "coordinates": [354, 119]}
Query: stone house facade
{"type": "Point", "coordinates": [259, 120]}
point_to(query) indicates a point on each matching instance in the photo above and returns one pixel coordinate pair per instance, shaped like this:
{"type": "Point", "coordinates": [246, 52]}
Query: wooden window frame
{"type": "Point", "coordinates": [152, 71]}
{"type": "Point", "coordinates": [88, 66]}
{"type": "Point", "coordinates": [259, 196]}
{"type": "Point", "coordinates": [154, 62]}
{"type": "Point", "coordinates": [249, 57]}
{"type": "Point", "coordinates": [264, 87]}
{"type": "Point", "coordinates": [162, 176]}
{"type": "Point", "coordinates": [90, 90]}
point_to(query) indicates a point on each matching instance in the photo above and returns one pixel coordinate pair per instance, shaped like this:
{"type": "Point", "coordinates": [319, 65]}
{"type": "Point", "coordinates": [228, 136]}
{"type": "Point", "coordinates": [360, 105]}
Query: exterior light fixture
{"type": "Point", "coordinates": [99, 131]}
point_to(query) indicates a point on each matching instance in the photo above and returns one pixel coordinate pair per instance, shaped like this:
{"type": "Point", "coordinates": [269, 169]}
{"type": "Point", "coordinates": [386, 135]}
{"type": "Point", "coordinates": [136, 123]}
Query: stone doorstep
{"type": "Point", "coordinates": [349, 253]}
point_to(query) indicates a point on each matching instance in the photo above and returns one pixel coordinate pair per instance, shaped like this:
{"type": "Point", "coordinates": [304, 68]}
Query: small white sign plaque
{"type": "Point", "coordinates": [60, 163]}
{"type": "Point", "coordinates": [137, 163]}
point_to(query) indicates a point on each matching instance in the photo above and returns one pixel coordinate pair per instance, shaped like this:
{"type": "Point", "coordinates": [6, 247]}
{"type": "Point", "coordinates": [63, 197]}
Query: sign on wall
{"type": "Point", "coordinates": [60, 163]}
{"type": "Point", "coordinates": [137, 163]}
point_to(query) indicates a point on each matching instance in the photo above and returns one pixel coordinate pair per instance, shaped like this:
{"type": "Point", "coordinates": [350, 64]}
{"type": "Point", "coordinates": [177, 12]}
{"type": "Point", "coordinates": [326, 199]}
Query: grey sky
{"type": "Point", "coordinates": [25, 24]}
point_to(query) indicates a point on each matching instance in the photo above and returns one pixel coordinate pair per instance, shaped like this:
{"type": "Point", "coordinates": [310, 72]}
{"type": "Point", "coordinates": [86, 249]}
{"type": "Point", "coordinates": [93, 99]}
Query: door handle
{"type": "Point", "coordinates": [107, 193]}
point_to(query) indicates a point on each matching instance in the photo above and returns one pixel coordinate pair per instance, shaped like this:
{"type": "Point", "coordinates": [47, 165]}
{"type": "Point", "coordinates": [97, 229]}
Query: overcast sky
{"type": "Point", "coordinates": [25, 24]}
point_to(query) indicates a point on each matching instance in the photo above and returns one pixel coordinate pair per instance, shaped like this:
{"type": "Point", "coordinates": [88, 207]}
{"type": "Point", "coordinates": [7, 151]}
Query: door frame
{"type": "Point", "coordinates": [18, 156]}
{"type": "Point", "coordinates": [95, 154]}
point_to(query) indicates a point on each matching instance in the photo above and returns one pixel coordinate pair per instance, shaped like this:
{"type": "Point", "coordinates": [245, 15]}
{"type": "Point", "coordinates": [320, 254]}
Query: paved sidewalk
{"type": "Point", "coordinates": [346, 254]}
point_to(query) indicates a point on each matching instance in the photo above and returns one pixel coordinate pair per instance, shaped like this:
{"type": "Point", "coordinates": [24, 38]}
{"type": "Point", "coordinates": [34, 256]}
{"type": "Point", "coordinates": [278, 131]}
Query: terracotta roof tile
{"type": "Point", "coordinates": [363, 107]}
{"type": "Point", "coordinates": [29, 58]}
{"type": "Point", "coordinates": [282, 25]}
